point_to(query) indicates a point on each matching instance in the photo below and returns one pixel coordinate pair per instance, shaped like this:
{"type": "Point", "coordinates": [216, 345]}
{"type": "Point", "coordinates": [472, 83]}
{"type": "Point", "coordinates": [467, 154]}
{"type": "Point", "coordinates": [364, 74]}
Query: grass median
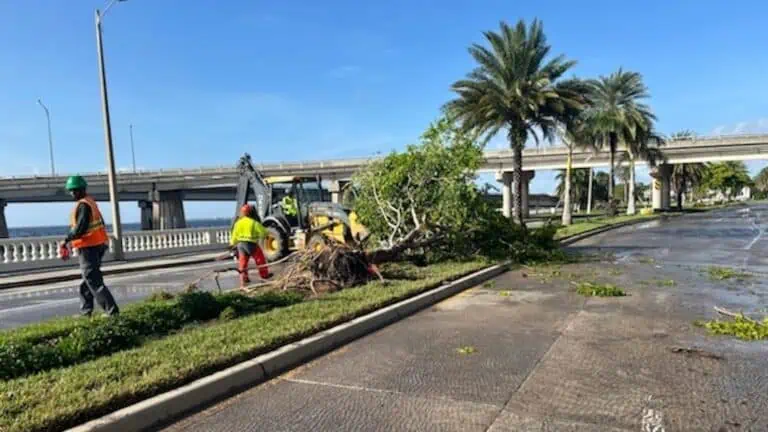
{"type": "Point", "coordinates": [60, 398]}
{"type": "Point", "coordinates": [67, 342]}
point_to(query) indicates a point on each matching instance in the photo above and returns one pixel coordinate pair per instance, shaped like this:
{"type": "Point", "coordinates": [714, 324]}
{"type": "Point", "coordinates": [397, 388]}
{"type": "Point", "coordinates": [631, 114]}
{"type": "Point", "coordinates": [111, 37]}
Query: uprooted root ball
{"type": "Point", "coordinates": [335, 267]}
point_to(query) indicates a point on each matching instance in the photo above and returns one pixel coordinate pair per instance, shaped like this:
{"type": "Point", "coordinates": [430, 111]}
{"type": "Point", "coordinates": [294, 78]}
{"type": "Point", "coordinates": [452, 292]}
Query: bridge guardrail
{"type": "Point", "coordinates": [732, 139]}
{"type": "Point", "coordinates": [43, 252]}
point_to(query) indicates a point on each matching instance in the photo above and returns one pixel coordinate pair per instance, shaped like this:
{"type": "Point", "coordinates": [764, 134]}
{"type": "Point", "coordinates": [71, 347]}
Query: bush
{"type": "Point", "coordinates": [490, 235]}
{"type": "Point", "coordinates": [89, 339]}
{"type": "Point", "coordinates": [199, 306]}
{"type": "Point", "coordinates": [229, 313]}
{"type": "Point", "coordinates": [160, 296]}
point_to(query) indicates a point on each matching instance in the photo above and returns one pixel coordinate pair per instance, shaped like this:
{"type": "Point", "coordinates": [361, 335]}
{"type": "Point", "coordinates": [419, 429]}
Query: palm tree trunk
{"type": "Point", "coordinates": [612, 142]}
{"type": "Point", "coordinates": [517, 185]}
{"type": "Point", "coordinates": [681, 189]}
{"type": "Point", "coordinates": [589, 193]}
{"type": "Point", "coordinates": [626, 191]}
{"type": "Point", "coordinates": [631, 199]}
{"type": "Point", "coordinates": [567, 217]}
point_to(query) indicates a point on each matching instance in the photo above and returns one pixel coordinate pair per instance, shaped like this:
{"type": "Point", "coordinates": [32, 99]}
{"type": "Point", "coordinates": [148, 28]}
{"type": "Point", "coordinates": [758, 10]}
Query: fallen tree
{"type": "Point", "coordinates": [420, 203]}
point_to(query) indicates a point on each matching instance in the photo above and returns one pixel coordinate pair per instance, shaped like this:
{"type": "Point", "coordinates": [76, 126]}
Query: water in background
{"type": "Point", "coordinates": [62, 230]}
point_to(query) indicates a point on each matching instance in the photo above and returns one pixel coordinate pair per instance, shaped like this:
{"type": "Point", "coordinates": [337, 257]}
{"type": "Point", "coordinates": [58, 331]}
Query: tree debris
{"type": "Point", "coordinates": [336, 266]}
{"type": "Point", "coordinates": [697, 352]}
{"type": "Point", "coordinates": [741, 316]}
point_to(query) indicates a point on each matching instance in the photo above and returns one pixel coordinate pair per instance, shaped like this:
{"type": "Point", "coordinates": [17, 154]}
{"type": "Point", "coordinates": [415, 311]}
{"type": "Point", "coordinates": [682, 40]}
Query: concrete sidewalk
{"type": "Point", "coordinates": [16, 280]}
{"type": "Point", "coordinates": [525, 353]}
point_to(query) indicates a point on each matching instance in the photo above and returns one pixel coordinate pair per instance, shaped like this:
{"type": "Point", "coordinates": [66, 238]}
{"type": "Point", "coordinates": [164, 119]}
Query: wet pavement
{"type": "Point", "coordinates": [19, 306]}
{"type": "Point", "coordinates": [526, 353]}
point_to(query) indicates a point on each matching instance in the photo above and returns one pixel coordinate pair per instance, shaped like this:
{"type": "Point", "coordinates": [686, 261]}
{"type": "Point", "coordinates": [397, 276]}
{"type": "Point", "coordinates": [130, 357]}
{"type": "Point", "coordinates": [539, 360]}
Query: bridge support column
{"type": "Point", "coordinates": [505, 177]}
{"type": "Point", "coordinates": [168, 210]}
{"type": "Point", "coordinates": [526, 179]}
{"type": "Point", "coordinates": [146, 215]}
{"type": "Point", "coordinates": [3, 223]}
{"type": "Point", "coordinates": [661, 187]}
{"type": "Point", "coordinates": [336, 189]}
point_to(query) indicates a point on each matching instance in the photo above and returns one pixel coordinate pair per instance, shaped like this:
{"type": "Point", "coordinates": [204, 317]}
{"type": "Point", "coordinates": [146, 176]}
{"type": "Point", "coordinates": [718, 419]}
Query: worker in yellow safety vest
{"type": "Point", "coordinates": [246, 233]}
{"type": "Point", "coordinates": [288, 204]}
{"type": "Point", "coordinates": [88, 235]}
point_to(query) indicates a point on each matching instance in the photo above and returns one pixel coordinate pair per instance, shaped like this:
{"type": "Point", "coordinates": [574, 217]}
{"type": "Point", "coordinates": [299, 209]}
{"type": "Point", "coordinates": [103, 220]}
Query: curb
{"type": "Point", "coordinates": [586, 234]}
{"type": "Point", "coordinates": [105, 271]}
{"type": "Point", "coordinates": [175, 403]}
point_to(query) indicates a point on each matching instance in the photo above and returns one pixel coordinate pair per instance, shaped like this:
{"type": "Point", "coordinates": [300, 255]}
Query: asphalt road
{"type": "Point", "coordinates": [20, 306]}
{"type": "Point", "coordinates": [527, 353]}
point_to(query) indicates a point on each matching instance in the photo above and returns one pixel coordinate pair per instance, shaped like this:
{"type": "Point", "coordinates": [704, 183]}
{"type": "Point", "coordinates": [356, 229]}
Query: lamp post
{"type": "Point", "coordinates": [117, 229]}
{"type": "Point", "coordinates": [50, 137]}
{"type": "Point", "coordinates": [133, 152]}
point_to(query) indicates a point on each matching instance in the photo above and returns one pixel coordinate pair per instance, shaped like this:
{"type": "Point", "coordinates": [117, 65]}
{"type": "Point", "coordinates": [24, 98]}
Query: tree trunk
{"type": "Point", "coordinates": [589, 192]}
{"type": "Point", "coordinates": [681, 189]}
{"type": "Point", "coordinates": [631, 198]}
{"type": "Point", "coordinates": [517, 184]}
{"type": "Point", "coordinates": [626, 191]}
{"type": "Point", "coordinates": [612, 142]}
{"type": "Point", "coordinates": [567, 217]}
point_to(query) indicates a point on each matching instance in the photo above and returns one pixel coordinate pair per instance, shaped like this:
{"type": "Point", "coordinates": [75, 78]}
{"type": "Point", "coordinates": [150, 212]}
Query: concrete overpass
{"type": "Point", "coordinates": [161, 193]}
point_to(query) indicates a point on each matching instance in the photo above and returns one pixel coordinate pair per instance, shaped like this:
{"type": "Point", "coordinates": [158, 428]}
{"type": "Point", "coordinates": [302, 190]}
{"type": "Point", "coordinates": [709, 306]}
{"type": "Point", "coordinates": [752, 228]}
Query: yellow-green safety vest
{"type": "Point", "coordinates": [247, 229]}
{"type": "Point", "coordinates": [289, 205]}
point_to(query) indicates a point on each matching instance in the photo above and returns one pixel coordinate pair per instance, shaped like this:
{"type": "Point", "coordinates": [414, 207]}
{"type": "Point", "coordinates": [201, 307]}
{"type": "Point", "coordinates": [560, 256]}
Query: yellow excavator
{"type": "Point", "coordinates": [294, 211]}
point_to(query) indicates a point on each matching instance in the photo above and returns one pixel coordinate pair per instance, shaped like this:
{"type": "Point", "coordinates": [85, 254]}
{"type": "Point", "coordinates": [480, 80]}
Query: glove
{"type": "Point", "coordinates": [64, 252]}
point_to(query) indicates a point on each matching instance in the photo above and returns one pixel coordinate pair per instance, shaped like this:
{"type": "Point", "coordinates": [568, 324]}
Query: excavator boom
{"type": "Point", "coordinates": [252, 187]}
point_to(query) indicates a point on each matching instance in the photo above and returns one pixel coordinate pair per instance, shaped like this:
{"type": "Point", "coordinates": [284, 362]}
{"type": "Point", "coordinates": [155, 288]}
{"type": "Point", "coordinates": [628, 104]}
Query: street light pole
{"type": "Point", "coordinates": [50, 137]}
{"type": "Point", "coordinates": [117, 229]}
{"type": "Point", "coordinates": [133, 152]}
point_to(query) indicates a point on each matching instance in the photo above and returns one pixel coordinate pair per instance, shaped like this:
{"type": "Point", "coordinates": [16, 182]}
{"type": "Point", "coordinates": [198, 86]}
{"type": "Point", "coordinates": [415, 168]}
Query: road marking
{"type": "Point", "coordinates": [47, 305]}
{"type": "Point", "coordinates": [67, 285]}
{"type": "Point", "coordinates": [757, 237]}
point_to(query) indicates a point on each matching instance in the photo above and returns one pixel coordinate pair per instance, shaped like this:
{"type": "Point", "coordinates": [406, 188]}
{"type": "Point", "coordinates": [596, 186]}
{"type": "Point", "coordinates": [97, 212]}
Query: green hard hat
{"type": "Point", "coordinates": [75, 182]}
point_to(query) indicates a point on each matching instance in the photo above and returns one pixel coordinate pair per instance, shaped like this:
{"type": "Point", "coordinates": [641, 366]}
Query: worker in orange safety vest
{"type": "Point", "coordinates": [88, 235]}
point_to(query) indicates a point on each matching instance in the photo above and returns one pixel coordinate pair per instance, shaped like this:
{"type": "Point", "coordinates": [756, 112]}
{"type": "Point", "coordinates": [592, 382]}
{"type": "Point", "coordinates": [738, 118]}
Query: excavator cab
{"type": "Point", "coordinates": [306, 218]}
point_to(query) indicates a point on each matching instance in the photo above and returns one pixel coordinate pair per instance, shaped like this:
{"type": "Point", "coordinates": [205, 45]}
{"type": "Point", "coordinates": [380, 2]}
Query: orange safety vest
{"type": "Point", "coordinates": [97, 233]}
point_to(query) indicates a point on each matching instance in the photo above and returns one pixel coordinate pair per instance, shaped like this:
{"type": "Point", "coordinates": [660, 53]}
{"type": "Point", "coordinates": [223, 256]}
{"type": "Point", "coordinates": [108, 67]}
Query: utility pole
{"type": "Point", "coordinates": [117, 229]}
{"type": "Point", "coordinates": [50, 137]}
{"type": "Point", "coordinates": [133, 152]}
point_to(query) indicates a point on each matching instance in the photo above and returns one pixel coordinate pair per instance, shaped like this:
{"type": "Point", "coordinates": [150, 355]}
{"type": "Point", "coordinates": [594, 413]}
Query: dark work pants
{"type": "Point", "coordinates": [93, 282]}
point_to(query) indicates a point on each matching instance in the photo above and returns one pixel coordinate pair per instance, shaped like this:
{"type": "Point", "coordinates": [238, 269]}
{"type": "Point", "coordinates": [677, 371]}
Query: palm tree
{"type": "Point", "coordinates": [576, 133]}
{"type": "Point", "coordinates": [514, 87]}
{"type": "Point", "coordinates": [579, 184]}
{"type": "Point", "coordinates": [761, 183]}
{"type": "Point", "coordinates": [617, 110]}
{"type": "Point", "coordinates": [688, 175]}
{"type": "Point", "coordinates": [644, 145]}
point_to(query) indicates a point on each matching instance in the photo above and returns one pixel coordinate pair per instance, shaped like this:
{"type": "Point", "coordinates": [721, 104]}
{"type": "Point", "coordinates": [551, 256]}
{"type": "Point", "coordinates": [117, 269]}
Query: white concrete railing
{"type": "Point", "coordinates": [43, 252]}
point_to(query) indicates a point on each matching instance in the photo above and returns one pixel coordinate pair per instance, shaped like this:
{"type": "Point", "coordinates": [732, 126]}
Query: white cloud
{"type": "Point", "coordinates": [745, 127]}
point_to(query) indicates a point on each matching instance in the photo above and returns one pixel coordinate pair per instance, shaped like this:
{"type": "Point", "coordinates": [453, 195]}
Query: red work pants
{"type": "Point", "coordinates": [243, 259]}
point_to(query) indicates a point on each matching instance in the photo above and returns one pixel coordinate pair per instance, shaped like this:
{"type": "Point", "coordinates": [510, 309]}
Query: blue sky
{"type": "Point", "coordinates": [203, 82]}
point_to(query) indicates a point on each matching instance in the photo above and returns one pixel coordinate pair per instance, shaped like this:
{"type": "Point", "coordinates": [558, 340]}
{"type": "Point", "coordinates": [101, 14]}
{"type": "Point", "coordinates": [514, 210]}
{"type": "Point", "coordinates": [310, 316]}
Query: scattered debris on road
{"type": "Point", "coordinates": [696, 352]}
{"type": "Point", "coordinates": [742, 326]}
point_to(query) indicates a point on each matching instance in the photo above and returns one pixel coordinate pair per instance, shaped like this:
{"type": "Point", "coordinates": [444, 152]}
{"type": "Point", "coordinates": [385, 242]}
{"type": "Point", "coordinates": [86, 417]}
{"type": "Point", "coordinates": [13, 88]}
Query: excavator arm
{"type": "Point", "coordinates": [252, 187]}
